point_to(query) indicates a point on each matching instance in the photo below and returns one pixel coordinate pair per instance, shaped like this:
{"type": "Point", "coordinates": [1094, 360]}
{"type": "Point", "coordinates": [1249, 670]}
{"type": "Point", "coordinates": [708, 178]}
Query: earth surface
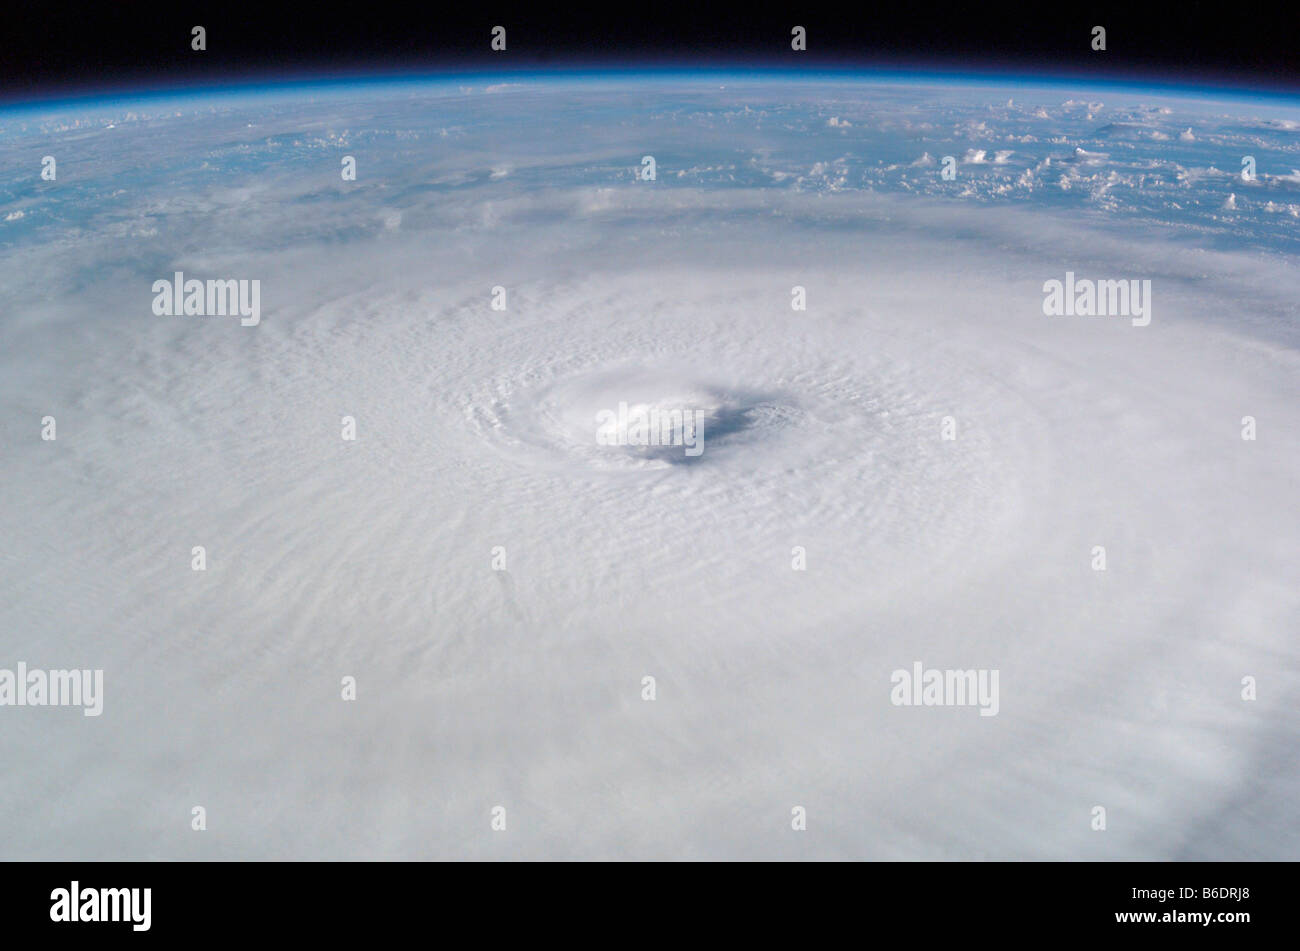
{"type": "Point", "coordinates": [942, 456]}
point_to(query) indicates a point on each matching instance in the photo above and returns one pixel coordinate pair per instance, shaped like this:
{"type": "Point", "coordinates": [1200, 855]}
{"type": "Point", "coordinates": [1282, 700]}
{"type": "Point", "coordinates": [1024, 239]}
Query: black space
{"type": "Point", "coordinates": [69, 49]}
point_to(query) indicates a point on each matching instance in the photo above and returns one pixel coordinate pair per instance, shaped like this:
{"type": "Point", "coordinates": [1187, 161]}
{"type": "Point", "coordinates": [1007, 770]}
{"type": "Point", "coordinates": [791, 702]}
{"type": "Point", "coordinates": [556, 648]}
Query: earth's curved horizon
{"type": "Point", "coordinates": [988, 376]}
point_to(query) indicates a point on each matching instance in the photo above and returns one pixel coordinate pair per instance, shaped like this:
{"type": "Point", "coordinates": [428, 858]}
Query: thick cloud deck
{"type": "Point", "coordinates": [823, 433]}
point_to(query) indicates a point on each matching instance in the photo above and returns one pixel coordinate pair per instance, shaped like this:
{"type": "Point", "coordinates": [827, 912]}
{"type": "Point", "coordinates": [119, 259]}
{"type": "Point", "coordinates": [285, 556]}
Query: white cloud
{"type": "Point", "coordinates": [372, 558]}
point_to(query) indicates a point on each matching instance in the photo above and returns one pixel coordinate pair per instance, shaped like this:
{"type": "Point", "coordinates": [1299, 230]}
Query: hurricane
{"type": "Point", "coordinates": [365, 570]}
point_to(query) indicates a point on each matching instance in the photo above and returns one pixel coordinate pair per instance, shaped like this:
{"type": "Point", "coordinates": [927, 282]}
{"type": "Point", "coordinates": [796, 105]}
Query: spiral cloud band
{"type": "Point", "coordinates": [954, 568]}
